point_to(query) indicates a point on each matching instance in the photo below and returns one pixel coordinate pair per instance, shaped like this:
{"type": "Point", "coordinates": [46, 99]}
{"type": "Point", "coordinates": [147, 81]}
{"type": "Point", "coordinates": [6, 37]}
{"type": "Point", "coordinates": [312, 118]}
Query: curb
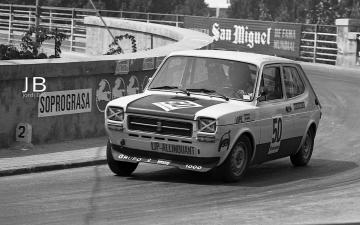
{"type": "Point", "coordinates": [51, 167]}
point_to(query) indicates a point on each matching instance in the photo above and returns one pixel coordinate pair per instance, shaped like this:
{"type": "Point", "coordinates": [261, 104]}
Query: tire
{"type": "Point", "coordinates": [237, 162]}
{"type": "Point", "coordinates": [118, 167]}
{"type": "Point", "coordinates": [302, 157]}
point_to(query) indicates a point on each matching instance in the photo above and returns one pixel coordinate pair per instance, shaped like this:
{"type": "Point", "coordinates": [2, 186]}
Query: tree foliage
{"type": "Point", "coordinates": [30, 44]}
{"type": "Point", "coordinates": [190, 7]}
{"type": "Point", "coordinates": [303, 11]}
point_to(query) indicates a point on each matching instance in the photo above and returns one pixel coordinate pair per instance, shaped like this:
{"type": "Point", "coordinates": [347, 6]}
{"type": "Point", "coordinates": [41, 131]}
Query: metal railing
{"type": "Point", "coordinates": [15, 20]}
{"type": "Point", "coordinates": [318, 43]}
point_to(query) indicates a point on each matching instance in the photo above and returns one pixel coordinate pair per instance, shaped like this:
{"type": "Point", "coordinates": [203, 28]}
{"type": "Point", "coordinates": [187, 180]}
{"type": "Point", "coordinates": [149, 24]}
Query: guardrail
{"type": "Point", "coordinates": [318, 43]}
{"type": "Point", "coordinates": [16, 19]}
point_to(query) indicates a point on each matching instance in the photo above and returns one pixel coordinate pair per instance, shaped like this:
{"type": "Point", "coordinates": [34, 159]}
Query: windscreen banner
{"type": "Point", "coordinates": [271, 38]}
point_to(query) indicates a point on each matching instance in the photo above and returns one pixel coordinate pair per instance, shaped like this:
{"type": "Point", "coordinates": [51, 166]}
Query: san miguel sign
{"type": "Point", "coordinates": [282, 39]}
{"type": "Point", "coordinates": [241, 35]}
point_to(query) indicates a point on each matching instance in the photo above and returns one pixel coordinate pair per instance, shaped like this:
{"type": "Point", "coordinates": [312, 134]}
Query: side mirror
{"type": "Point", "coordinates": [262, 96]}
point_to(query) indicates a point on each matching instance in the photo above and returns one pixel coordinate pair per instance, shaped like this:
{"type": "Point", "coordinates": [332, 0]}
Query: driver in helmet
{"type": "Point", "coordinates": [216, 75]}
{"type": "Point", "coordinates": [241, 81]}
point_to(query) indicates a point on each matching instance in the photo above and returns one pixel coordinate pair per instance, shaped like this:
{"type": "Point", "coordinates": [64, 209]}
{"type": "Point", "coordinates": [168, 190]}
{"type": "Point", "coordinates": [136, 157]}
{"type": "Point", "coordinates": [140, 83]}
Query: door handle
{"type": "Point", "coordinates": [288, 108]}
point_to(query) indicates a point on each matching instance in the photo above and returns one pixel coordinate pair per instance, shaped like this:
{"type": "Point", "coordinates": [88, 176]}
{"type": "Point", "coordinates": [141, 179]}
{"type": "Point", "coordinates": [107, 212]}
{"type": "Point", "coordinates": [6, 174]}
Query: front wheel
{"type": "Point", "coordinates": [118, 167]}
{"type": "Point", "coordinates": [302, 157]}
{"type": "Point", "coordinates": [237, 162]}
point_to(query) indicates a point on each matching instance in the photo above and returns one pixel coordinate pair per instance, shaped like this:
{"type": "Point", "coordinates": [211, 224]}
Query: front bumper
{"type": "Point", "coordinates": [201, 164]}
{"type": "Point", "coordinates": [199, 151]}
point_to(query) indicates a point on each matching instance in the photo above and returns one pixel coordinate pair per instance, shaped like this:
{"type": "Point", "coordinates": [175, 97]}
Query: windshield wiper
{"type": "Point", "coordinates": [167, 87]}
{"type": "Point", "coordinates": [208, 91]}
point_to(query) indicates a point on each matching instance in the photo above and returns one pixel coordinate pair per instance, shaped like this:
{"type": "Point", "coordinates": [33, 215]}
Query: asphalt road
{"type": "Point", "coordinates": [325, 192]}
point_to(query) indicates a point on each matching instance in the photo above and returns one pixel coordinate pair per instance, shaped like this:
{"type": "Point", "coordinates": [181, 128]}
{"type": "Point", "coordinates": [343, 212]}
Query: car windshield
{"type": "Point", "coordinates": [223, 78]}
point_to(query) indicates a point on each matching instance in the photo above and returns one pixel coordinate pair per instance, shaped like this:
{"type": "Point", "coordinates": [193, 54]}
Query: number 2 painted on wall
{"type": "Point", "coordinates": [22, 131]}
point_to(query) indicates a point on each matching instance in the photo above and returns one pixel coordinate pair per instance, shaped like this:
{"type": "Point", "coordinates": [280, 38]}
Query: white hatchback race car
{"type": "Point", "coordinates": [207, 109]}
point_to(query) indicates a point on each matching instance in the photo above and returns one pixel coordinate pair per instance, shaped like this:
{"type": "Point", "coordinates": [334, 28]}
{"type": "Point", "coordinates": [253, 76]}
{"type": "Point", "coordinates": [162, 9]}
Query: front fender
{"type": "Point", "coordinates": [236, 133]}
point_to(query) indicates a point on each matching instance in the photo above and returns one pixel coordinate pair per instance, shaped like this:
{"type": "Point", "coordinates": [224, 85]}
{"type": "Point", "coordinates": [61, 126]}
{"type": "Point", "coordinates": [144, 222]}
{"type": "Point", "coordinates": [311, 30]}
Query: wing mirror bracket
{"type": "Point", "coordinates": [262, 96]}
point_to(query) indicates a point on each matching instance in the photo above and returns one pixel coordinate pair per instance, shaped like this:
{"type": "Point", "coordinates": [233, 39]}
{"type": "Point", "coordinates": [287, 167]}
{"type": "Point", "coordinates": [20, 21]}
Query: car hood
{"type": "Point", "coordinates": [175, 106]}
{"type": "Point", "coordinates": [184, 107]}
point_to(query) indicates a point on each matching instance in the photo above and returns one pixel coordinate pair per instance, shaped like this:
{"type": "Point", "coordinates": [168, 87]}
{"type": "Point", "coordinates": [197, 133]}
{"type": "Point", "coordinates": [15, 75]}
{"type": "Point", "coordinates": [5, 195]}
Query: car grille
{"type": "Point", "coordinates": [160, 126]}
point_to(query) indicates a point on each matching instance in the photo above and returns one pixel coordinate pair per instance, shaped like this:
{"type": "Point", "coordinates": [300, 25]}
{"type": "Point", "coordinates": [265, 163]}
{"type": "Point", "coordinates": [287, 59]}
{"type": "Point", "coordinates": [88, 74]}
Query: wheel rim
{"type": "Point", "coordinates": [238, 159]}
{"type": "Point", "coordinates": [307, 146]}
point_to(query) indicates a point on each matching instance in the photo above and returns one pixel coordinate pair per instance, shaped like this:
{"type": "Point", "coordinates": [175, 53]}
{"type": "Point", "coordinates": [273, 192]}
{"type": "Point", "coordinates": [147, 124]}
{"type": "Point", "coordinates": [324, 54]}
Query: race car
{"type": "Point", "coordinates": [215, 110]}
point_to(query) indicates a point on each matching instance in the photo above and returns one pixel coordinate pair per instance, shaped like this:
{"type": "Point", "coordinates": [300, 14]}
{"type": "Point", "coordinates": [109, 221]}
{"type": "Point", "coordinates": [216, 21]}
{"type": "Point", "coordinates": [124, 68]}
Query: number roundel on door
{"type": "Point", "coordinates": [276, 135]}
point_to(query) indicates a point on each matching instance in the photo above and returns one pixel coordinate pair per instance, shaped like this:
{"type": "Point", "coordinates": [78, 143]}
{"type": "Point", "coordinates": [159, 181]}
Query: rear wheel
{"type": "Point", "coordinates": [302, 157]}
{"type": "Point", "coordinates": [118, 167]}
{"type": "Point", "coordinates": [237, 162]}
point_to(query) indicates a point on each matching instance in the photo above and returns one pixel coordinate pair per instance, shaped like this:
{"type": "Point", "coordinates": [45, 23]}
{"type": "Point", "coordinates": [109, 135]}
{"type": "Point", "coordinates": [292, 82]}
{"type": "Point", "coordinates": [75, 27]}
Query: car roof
{"type": "Point", "coordinates": [252, 58]}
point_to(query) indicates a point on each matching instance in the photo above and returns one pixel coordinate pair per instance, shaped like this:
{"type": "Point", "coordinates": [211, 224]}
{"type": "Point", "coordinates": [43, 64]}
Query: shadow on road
{"type": "Point", "coordinates": [272, 173]}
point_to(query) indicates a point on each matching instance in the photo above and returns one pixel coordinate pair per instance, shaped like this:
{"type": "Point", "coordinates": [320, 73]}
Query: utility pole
{"type": "Point", "coordinates": [294, 11]}
{"type": "Point", "coordinates": [102, 20]}
{"type": "Point", "coordinates": [37, 22]}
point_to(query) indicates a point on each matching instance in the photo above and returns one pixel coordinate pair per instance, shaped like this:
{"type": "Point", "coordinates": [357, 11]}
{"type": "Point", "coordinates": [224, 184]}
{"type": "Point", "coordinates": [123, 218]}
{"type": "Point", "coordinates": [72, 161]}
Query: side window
{"type": "Point", "coordinates": [271, 83]}
{"type": "Point", "coordinates": [293, 83]}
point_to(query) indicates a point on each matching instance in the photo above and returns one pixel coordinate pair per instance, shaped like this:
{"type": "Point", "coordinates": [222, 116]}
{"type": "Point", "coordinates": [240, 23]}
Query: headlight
{"type": "Point", "coordinates": [115, 114]}
{"type": "Point", "coordinates": [207, 125]}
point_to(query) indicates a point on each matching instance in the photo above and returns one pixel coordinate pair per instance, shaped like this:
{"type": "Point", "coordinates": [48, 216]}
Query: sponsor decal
{"type": "Point", "coordinates": [299, 105]}
{"type": "Point", "coordinates": [119, 90]}
{"type": "Point", "coordinates": [64, 102]}
{"type": "Point", "coordinates": [239, 119]}
{"type": "Point", "coordinates": [133, 87]}
{"type": "Point", "coordinates": [284, 39]}
{"type": "Point", "coordinates": [175, 149]}
{"type": "Point", "coordinates": [104, 92]}
{"type": "Point", "coordinates": [163, 162]}
{"type": "Point", "coordinates": [247, 117]}
{"type": "Point", "coordinates": [173, 105]}
{"type": "Point", "coordinates": [166, 162]}
{"type": "Point", "coordinates": [224, 142]}
{"type": "Point", "coordinates": [276, 135]}
{"type": "Point", "coordinates": [130, 158]}
{"type": "Point", "coordinates": [242, 35]}
{"type": "Point", "coordinates": [148, 64]}
{"type": "Point", "coordinates": [193, 167]}
{"type": "Point", "coordinates": [122, 67]}
{"type": "Point", "coordinates": [103, 95]}
{"type": "Point", "coordinates": [251, 36]}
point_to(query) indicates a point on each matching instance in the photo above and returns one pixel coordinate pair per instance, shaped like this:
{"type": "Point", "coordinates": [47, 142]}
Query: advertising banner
{"type": "Point", "coordinates": [64, 102]}
{"type": "Point", "coordinates": [272, 38]}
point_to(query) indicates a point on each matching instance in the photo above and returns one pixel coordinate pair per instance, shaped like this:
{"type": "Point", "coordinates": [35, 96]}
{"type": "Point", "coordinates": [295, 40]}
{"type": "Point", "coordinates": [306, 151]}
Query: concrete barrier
{"type": "Point", "coordinates": [77, 91]}
{"type": "Point", "coordinates": [147, 37]}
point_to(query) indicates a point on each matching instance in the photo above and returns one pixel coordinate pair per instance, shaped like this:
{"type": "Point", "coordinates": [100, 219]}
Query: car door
{"type": "Point", "coordinates": [297, 99]}
{"type": "Point", "coordinates": [273, 114]}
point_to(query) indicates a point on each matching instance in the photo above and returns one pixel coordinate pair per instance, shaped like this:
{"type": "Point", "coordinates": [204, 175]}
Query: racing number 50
{"type": "Point", "coordinates": [277, 130]}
